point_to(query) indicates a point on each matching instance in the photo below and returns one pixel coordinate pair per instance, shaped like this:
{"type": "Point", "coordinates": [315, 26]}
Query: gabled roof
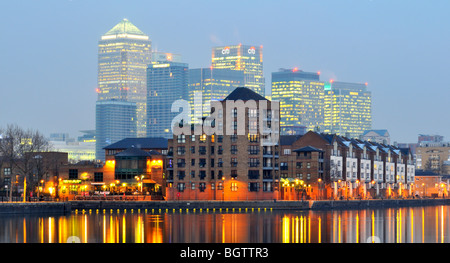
{"type": "Point", "coordinates": [125, 27]}
{"type": "Point", "coordinates": [289, 139]}
{"type": "Point", "coordinates": [143, 143]}
{"type": "Point", "coordinates": [133, 152]}
{"type": "Point", "coordinates": [308, 149]}
{"type": "Point", "coordinates": [244, 94]}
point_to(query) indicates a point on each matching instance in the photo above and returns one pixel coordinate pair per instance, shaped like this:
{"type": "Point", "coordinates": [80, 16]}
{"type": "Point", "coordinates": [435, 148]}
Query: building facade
{"type": "Point", "coordinates": [167, 82]}
{"type": "Point", "coordinates": [123, 55]}
{"type": "Point", "coordinates": [347, 109]}
{"type": "Point", "coordinates": [115, 120]}
{"type": "Point", "coordinates": [301, 97]}
{"type": "Point", "coordinates": [335, 167]}
{"type": "Point", "coordinates": [246, 58]}
{"type": "Point", "coordinates": [433, 156]}
{"type": "Point", "coordinates": [235, 162]}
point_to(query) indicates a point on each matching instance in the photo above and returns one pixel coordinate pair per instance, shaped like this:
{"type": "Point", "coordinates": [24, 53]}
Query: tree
{"type": "Point", "coordinates": [19, 148]}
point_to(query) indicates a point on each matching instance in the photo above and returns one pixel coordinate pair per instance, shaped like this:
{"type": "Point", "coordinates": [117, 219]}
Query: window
{"type": "Point", "coordinates": [192, 174]}
{"type": "Point", "coordinates": [253, 174]}
{"type": "Point", "coordinates": [233, 138]}
{"type": "Point", "coordinates": [202, 187]}
{"type": "Point", "coordinates": [283, 166]}
{"type": "Point", "coordinates": [7, 171]}
{"type": "Point", "coordinates": [253, 149]}
{"type": "Point", "coordinates": [234, 149]}
{"type": "Point", "coordinates": [181, 187]}
{"type": "Point", "coordinates": [181, 175]}
{"type": "Point", "coordinates": [234, 162]}
{"type": "Point", "coordinates": [73, 174]}
{"type": "Point", "coordinates": [202, 150]}
{"type": "Point", "coordinates": [202, 175]}
{"type": "Point", "coordinates": [181, 138]}
{"type": "Point", "coordinates": [234, 187]}
{"type": "Point", "coordinates": [181, 150]}
{"type": "Point", "coordinates": [253, 187]}
{"type": "Point", "coordinates": [253, 137]}
{"type": "Point", "coordinates": [192, 162]}
{"type": "Point", "coordinates": [202, 163]}
{"type": "Point", "coordinates": [234, 173]}
{"type": "Point", "coordinates": [181, 163]}
{"type": "Point", "coordinates": [192, 149]}
{"type": "Point", "coordinates": [287, 151]}
{"type": "Point", "coordinates": [253, 162]}
{"type": "Point", "coordinates": [98, 177]}
{"type": "Point", "coordinates": [300, 165]}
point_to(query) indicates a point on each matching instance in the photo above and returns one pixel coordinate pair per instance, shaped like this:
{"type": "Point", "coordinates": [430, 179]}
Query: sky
{"type": "Point", "coordinates": [48, 52]}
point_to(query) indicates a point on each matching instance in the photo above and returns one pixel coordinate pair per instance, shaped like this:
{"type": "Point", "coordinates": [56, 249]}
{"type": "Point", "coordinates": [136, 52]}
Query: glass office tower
{"type": "Point", "coordinates": [348, 109]}
{"type": "Point", "coordinates": [166, 83]}
{"type": "Point", "coordinates": [123, 55]}
{"type": "Point", "coordinates": [115, 120]}
{"type": "Point", "coordinates": [248, 59]}
{"type": "Point", "coordinates": [301, 97]}
{"type": "Point", "coordinates": [212, 84]}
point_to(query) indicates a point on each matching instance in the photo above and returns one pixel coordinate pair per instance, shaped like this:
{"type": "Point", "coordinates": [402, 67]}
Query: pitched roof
{"type": "Point", "coordinates": [133, 152]}
{"type": "Point", "coordinates": [243, 93]}
{"type": "Point", "coordinates": [308, 149]}
{"type": "Point", "coordinates": [143, 143]}
{"type": "Point", "coordinates": [125, 27]}
{"type": "Point", "coordinates": [289, 139]}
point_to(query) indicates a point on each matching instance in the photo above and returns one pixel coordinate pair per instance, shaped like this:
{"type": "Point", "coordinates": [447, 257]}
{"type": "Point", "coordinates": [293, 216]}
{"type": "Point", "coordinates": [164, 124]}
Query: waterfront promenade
{"type": "Point", "coordinates": [222, 206]}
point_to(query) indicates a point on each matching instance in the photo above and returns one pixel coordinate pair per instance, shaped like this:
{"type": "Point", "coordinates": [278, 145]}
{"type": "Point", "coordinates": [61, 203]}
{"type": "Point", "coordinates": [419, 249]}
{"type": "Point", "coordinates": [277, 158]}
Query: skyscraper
{"type": "Point", "coordinates": [248, 59]}
{"type": "Point", "coordinates": [123, 55]}
{"type": "Point", "coordinates": [301, 97]}
{"type": "Point", "coordinates": [347, 109]}
{"type": "Point", "coordinates": [115, 120]}
{"type": "Point", "coordinates": [166, 83]}
{"type": "Point", "coordinates": [212, 84]}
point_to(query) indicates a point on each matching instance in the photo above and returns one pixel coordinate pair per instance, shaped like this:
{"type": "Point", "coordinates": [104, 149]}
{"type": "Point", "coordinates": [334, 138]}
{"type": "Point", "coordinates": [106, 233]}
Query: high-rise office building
{"type": "Point", "coordinates": [207, 84]}
{"type": "Point", "coordinates": [167, 82]}
{"type": "Point", "coordinates": [115, 121]}
{"type": "Point", "coordinates": [123, 55]}
{"type": "Point", "coordinates": [248, 59]}
{"type": "Point", "coordinates": [347, 109]}
{"type": "Point", "coordinates": [301, 97]}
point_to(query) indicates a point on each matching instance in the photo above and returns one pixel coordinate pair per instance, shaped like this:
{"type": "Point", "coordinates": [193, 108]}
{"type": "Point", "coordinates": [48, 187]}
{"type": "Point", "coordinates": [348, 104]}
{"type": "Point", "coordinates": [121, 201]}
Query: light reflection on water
{"type": "Point", "coordinates": [394, 225]}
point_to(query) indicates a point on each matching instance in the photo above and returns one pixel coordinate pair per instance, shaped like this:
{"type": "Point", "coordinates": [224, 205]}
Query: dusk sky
{"type": "Point", "coordinates": [48, 52]}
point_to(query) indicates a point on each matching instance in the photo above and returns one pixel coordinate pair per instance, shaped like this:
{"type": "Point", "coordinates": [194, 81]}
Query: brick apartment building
{"type": "Point", "coordinates": [233, 166]}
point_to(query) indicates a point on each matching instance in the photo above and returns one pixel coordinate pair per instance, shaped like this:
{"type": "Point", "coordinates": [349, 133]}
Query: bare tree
{"type": "Point", "coordinates": [19, 148]}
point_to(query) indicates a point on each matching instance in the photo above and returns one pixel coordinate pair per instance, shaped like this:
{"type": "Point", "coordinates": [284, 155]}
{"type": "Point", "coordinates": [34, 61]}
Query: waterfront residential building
{"type": "Point", "coordinates": [238, 161]}
{"type": "Point", "coordinates": [115, 120]}
{"type": "Point", "coordinates": [433, 156]}
{"type": "Point", "coordinates": [301, 97]}
{"type": "Point", "coordinates": [339, 167]}
{"type": "Point", "coordinates": [347, 109]}
{"type": "Point", "coordinates": [209, 84]}
{"type": "Point", "coordinates": [123, 55]}
{"type": "Point", "coordinates": [430, 184]}
{"type": "Point", "coordinates": [245, 58]}
{"type": "Point", "coordinates": [167, 82]}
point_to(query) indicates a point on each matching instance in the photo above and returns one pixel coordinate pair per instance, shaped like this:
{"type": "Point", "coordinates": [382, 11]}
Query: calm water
{"type": "Point", "coordinates": [399, 225]}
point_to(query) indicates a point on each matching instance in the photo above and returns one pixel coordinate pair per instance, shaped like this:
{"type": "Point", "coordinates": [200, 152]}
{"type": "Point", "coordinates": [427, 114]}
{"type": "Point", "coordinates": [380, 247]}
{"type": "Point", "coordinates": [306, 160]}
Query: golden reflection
{"type": "Point", "coordinates": [384, 225]}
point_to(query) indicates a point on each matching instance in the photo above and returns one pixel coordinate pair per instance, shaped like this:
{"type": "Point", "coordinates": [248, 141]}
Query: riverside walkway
{"type": "Point", "coordinates": [80, 205]}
